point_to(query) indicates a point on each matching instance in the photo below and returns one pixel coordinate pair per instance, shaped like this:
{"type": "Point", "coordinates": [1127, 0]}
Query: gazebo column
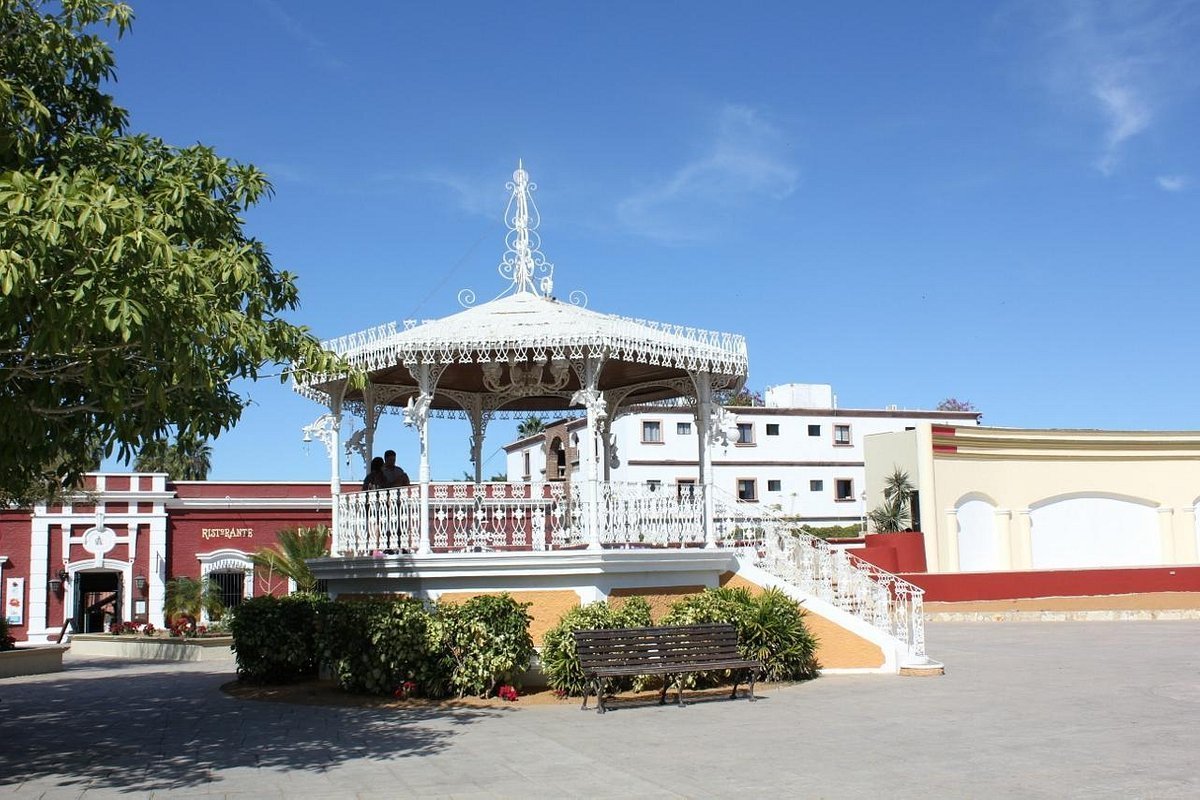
{"type": "Point", "coordinates": [416, 414]}
{"type": "Point", "coordinates": [704, 435]}
{"type": "Point", "coordinates": [370, 420]}
{"type": "Point", "coordinates": [593, 400]}
{"type": "Point", "coordinates": [478, 430]}
{"type": "Point", "coordinates": [327, 429]}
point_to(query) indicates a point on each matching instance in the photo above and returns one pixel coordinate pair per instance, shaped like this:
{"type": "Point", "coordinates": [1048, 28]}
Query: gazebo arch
{"type": "Point", "coordinates": [523, 352]}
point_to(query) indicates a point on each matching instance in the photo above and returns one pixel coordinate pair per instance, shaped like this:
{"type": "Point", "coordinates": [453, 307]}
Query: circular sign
{"type": "Point", "coordinates": [98, 541]}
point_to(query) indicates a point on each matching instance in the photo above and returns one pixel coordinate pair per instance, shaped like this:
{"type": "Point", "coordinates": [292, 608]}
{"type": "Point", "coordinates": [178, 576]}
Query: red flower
{"type": "Point", "coordinates": [507, 693]}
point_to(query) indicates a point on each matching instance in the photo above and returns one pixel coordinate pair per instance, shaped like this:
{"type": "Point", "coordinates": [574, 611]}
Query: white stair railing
{"type": "Point", "coordinates": [879, 598]}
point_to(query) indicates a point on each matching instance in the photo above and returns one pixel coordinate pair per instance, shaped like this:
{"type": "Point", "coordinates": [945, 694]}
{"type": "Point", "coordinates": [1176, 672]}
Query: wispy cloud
{"type": "Point", "coordinates": [481, 195]}
{"type": "Point", "coordinates": [743, 160]}
{"type": "Point", "coordinates": [1125, 60]}
{"type": "Point", "coordinates": [1172, 183]}
{"type": "Point", "coordinates": [316, 48]}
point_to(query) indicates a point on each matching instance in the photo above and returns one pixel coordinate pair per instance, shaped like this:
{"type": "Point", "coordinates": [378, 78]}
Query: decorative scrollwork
{"type": "Point", "coordinates": [466, 298]}
{"type": "Point", "coordinates": [524, 263]}
{"type": "Point", "coordinates": [578, 297]}
{"type": "Point", "coordinates": [324, 429]}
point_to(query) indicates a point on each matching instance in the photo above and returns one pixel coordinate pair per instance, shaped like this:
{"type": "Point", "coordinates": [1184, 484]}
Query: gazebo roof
{"type": "Point", "coordinates": [519, 349]}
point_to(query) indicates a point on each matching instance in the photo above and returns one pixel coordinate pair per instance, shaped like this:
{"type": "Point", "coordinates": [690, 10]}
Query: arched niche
{"type": "Point", "coordinates": [977, 550]}
{"type": "Point", "coordinates": [1094, 529]}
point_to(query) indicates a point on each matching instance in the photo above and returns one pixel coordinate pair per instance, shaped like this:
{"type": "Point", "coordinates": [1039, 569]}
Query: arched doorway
{"type": "Point", "coordinates": [98, 600]}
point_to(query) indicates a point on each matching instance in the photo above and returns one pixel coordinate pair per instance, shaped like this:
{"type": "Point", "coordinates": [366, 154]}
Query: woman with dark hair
{"type": "Point", "coordinates": [375, 478]}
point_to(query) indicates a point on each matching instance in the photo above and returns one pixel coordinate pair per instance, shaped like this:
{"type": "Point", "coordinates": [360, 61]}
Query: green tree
{"type": "Point", "coordinates": [291, 550]}
{"type": "Point", "coordinates": [131, 298]}
{"type": "Point", "coordinates": [185, 459]}
{"type": "Point", "coordinates": [895, 514]}
{"type": "Point", "coordinates": [743, 397]}
{"type": "Point", "coordinates": [187, 597]}
{"type": "Point", "coordinates": [530, 426]}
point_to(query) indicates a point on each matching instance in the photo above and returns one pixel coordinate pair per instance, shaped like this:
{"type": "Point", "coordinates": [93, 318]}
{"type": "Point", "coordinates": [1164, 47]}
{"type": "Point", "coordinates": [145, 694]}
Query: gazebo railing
{"type": "Point", "coordinates": [545, 516]}
{"type": "Point", "coordinates": [462, 516]}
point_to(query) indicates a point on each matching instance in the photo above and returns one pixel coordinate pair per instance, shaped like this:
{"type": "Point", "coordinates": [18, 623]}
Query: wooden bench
{"type": "Point", "coordinates": [667, 651]}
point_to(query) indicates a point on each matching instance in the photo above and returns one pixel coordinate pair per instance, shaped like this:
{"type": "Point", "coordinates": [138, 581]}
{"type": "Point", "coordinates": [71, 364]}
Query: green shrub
{"type": "Point", "coordinates": [833, 531]}
{"type": "Point", "coordinates": [484, 643]}
{"type": "Point", "coordinates": [770, 628]}
{"type": "Point", "coordinates": [560, 661]}
{"type": "Point", "coordinates": [375, 645]}
{"type": "Point", "coordinates": [274, 638]}
{"type": "Point", "coordinates": [7, 642]}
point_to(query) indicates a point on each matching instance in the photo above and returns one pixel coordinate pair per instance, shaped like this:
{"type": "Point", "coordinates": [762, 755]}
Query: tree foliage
{"type": "Point", "coordinates": [954, 404]}
{"type": "Point", "coordinates": [744, 397]}
{"type": "Point", "coordinates": [288, 556]}
{"type": "Point", "coordinates": [187, 597]}
{"type": "Point", "coordinates": [185, 459]}
{"type": "Point", "coordinates": [530, 426]}
{"type": "Point", "coordinates": [131, 297]}
{"type": "Point", "coordinates": [895, 514]}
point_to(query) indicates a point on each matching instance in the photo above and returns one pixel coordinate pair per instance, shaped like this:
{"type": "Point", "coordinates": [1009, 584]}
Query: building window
{"type": "Point", "coordinates": [841, 435]}
{"type": "Point", "coordinates": [774, 486]}
{"type": "Point", "coordinates": [814, 430]}
{"type": "Point", "coordinates": [651, 431]}
{"type": "Point", "coordinates": [653, 485]}
{"type": "Point", "coordinates": [683, 428]}
{"type": "Point", "coordinates": [685, 489]}
{"type": "Point", "coordinates": [772, 429]}
{"type": "Point", "coordinates": [525, 461]}
{"type": "Point", "coordinates": [745, 433]}
{"type": "Point", "coordinates": [843, 490]}
{"type": "Point", "coordinates": [816, 486]}
{"type": "Point", "coordinates": [232, 586]}
{"type": "Point", "coordinates": [747, 490]}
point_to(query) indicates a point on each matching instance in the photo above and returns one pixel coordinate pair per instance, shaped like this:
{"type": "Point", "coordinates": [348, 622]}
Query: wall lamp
{"type": "Point", "coordinates": [56, 583]}
{"type": "Point", "coordinates": [140, 583]}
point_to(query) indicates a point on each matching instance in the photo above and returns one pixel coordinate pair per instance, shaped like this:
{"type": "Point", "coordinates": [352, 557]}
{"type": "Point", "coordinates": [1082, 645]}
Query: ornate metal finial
{"type": "Point", "coordinates": [524, 263]}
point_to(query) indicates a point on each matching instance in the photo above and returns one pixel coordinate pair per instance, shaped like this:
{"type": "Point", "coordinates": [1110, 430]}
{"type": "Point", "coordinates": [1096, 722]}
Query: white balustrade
{"type": "Point", "coordinates": [545, 516]}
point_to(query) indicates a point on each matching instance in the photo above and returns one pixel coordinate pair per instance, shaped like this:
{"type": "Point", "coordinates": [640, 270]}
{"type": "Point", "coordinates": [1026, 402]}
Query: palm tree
{"type": "Point", "coordinates": [187, 597]}
{"type": "Point", "coordinates": [896, 513]}
{"type": "Point", "coordinates": [287, 557]}
{"type": "Point", "coordinates": [530, 426]}
{"type": "Point", "coordinates": [188, 458]}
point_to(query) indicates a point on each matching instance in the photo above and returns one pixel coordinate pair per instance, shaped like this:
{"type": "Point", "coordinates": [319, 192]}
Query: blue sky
{"type": "Point", "coordinates": [996, 202]}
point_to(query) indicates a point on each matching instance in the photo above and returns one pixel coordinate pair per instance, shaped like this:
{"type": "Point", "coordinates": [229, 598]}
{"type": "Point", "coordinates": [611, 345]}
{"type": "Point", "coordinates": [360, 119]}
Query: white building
{"type": "Point", "coordinates": [799, 452]}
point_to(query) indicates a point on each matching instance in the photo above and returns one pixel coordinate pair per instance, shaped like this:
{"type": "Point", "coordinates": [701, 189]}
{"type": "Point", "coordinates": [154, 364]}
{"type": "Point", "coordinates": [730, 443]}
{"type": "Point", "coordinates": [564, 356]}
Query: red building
{"type": "Point", "coordinates": [109, 555]}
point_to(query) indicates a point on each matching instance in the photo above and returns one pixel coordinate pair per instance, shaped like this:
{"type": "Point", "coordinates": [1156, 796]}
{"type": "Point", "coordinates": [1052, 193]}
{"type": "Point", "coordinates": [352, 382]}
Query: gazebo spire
{"type": "Point", "coordinates": [524, 263]}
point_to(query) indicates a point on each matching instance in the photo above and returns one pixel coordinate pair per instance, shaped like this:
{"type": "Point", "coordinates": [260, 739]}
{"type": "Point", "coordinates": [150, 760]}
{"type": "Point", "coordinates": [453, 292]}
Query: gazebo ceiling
{"type": "Point", "coordinates": [525, 350]}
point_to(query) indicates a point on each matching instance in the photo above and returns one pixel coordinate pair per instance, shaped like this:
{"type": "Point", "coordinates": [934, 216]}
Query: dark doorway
{"type": "Point", "coordinates": [97, 600]}
{"type": "Point", "coordinates": [231, 585]}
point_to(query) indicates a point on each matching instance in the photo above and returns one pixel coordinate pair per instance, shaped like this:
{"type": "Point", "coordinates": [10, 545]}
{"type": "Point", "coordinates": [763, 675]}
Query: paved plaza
{"type": "Point", "coordinates": [1029, 710]}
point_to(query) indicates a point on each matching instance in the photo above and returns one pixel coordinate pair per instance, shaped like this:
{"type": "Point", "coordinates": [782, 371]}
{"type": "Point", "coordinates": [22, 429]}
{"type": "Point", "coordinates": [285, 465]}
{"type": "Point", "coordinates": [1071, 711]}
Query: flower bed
{"type": "Point", "coordinates": [154, 648]}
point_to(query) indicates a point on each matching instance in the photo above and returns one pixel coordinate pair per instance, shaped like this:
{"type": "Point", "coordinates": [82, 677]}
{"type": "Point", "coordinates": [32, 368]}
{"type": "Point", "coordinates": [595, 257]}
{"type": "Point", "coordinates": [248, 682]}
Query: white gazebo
{"type": "Point", "coordinates": [525, 352]}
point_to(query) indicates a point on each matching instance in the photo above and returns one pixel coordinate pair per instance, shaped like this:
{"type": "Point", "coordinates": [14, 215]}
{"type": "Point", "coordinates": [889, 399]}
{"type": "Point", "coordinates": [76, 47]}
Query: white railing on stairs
{"type": "Point", "coordinates": [546, 516]}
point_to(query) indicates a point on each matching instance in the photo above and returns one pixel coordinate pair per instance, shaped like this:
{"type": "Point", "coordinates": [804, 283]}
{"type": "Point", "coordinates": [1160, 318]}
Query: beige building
{"type": "Point", "coordinates": [996, 499]}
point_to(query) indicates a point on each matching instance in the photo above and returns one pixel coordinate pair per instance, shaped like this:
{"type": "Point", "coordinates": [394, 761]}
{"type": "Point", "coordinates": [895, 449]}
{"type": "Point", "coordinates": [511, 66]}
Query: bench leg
{"type": "Point", "coordinates": [600, 709]}
{"type": "Point", "coordinates": [587, 689]}
{"type": "Point", "coordinates": [752, 697]}
{"type": "Point", "coordinates": [679, 689]}
{"type": "Point", "coordinates": [662, 696]}
{"type": "Point", "coordinates": [733, 694]}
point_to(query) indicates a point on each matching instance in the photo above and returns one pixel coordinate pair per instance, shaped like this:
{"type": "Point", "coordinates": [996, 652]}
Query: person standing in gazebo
{"type": "Point", "coordinates": [394, 475]}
